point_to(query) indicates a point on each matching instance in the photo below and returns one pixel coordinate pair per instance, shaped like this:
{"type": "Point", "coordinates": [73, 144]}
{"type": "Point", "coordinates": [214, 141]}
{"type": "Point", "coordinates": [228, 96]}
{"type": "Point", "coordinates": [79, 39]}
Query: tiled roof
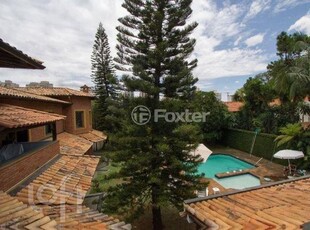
{"type": "Point", "coordinates": [10, 57]}
{"type": "Point", "coordinates": [234, 106]}
{"type": "Point", "coordinates": [71, 144]}
{"type": "Point", "coordinates": [16, 93]}
{"type": "Point", "coordinates": [65, 182]}
{"type": "Point", "coordinates": [14, 116]}
{"type": "Point", "coordinates": [55, 91]}
{"type": "Point", "coordinates": [282, 205]}
{"type": "Point", "coordinates": [94, 136]}
{"type": "Point", "coordinates": [80, 217]}
{"type": "Point", "coordinates": [17, 215]}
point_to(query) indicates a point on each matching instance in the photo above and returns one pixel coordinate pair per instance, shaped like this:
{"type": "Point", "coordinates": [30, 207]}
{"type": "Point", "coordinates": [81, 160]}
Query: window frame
{"type": "Point", "coordinates": [83, 119]}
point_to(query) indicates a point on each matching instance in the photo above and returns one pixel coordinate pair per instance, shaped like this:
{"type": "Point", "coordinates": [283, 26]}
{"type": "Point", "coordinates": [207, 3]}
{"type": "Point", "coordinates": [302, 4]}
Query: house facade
{"type": "Point", "coordinates": [46, 161]}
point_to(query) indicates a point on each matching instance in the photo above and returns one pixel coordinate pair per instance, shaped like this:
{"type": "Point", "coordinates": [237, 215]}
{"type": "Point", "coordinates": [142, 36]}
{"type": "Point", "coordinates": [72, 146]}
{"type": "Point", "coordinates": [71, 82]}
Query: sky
{"type": "Point", "coordinates": [235, 39]}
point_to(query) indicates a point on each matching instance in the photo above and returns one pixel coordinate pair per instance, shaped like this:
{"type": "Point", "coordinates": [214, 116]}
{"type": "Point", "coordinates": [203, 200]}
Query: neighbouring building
{"type": "Point", "coordinates": [8, 83]}
{"type": "Point", "coordinates": [46, 161]}
{"type": "Point", "coordinates": [44, 84]}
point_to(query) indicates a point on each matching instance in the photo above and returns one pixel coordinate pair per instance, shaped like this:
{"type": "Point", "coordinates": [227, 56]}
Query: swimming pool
{"type": "Point", "coordinates": [239, 181]}
{"type": "Point", "coordinates": [222, 163]}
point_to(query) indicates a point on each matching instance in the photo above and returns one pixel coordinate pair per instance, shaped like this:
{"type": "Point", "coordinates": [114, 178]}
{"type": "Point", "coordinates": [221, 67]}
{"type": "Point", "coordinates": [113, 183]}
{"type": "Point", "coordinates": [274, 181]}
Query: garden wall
{"type": "Point", "coordinates": [242, 140]}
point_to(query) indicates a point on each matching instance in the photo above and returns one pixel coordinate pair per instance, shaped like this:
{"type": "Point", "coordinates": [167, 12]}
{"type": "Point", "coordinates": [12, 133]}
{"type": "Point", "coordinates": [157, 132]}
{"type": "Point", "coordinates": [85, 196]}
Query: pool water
{"type": "Point", "coordinates": [222, 163]}
{"type": "Point", "coordinates": [239, 181]}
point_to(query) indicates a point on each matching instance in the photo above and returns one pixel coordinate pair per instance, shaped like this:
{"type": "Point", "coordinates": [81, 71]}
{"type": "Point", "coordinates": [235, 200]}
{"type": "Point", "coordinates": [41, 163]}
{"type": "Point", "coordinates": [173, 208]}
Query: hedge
{"type": "Point", "coordinates": [242, 140]}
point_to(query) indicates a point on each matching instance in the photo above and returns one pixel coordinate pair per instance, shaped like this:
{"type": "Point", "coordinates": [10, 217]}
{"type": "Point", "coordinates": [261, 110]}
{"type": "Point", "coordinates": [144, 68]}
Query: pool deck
{"type": "Point", "coordinates": [265, 168]}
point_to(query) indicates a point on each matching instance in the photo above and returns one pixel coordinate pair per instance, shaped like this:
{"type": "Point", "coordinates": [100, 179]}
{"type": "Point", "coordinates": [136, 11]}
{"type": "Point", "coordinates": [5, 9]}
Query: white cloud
{"type": "Point", "coordinates": [61, 33]}
{"type": "Point", "coordinates": [216, 27]}
{"type": "Point", "coordinates": [237, 41]}
{"type": "Point", "coordinates": [283, 5]}
{"type": "Point", "coordinates": [254, 40]}
{"type": "Point", "coordinates": [256, 7]}
{"type": "Point", "coordinates": [302, 24]}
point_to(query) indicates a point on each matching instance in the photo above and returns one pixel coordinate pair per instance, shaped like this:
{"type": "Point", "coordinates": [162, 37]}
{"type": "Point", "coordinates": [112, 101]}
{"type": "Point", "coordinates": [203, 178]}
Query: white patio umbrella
{"type": "Point", "coordinates": [289, 154]}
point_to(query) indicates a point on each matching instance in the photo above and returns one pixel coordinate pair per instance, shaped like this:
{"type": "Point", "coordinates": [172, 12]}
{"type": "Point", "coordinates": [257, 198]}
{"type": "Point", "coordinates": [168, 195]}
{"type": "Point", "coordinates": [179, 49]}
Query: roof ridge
{"type": "Point", "coordinates": [43, 97]}
{"type": "Point", "coordinates": [246, 190]}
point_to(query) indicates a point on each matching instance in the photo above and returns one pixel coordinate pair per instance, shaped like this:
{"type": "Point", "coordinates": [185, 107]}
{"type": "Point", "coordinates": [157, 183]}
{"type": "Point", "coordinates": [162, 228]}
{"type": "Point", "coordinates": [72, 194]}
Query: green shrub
{"type": "Point", "coordinates": [242, 140]}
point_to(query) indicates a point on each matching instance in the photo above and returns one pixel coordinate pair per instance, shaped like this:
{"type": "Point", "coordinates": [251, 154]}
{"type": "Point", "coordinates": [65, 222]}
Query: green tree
{"type": "Point", "coordinates": [154, 45]}
{"type": "Point", "coordinates": [290, 73]}
{"type": "Point", "coordinates": [294, 136]}
{"type": "Point", "coordinates": [257, 94]}
{"type": "Point", "coordinates": [300, 72]}
{"type": "Point", "coordinates": [218, 119]}
{"type": "Point", "coordinates": [290, 135]}
{"type": "Point", "coordinates": [106, 83]}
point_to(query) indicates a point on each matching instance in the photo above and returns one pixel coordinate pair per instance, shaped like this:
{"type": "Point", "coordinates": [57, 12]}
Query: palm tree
{"type": "Point", "coordinates": [299, 73]}
{"type": "Point", "coordinates": [289, 135]}
{"type": "Point", "coordinates": [295, 137]}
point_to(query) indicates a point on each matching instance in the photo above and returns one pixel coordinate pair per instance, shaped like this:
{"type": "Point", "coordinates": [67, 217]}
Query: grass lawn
{"type": "Point", "coordinates": [104, 183]}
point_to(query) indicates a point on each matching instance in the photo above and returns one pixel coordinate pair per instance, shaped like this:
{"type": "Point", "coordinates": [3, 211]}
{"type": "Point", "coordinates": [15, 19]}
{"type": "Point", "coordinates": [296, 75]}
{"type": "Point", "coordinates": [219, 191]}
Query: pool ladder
{"type": "Point", "coordinates": [258, 161]}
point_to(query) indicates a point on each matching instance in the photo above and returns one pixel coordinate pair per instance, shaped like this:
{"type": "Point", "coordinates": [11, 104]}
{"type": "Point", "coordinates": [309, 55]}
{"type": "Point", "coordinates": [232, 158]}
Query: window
{"type": "Point", "coordinates": [48, 129]}
{"type": "Point", "coordinates": [90, 118]}
{"type": "Point", "coordinates": [79, 119]}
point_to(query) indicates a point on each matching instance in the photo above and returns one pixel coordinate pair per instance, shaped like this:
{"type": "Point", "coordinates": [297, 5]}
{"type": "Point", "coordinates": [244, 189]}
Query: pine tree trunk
{"type": "Point", "coordinates": [156, 212]}
{"type": "Point", "coordinates": [157, 221]}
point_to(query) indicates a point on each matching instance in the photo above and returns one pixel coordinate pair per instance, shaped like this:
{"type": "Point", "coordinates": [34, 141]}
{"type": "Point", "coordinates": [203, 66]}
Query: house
{"type": "Point", "coordinates": [46, 161]}
{"type": "Point", "coordinates": [278, 205]}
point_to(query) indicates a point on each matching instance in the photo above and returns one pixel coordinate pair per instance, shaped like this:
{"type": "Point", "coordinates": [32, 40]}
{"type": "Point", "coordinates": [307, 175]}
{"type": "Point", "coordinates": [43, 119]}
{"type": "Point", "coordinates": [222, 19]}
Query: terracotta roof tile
{"type": "Point", "coordinates": [94, 136]}
{"type": "Point", "coordinates": [75, 216]}
{"type": "Point", "coordinates": [234, 106]}
{"type": "Point", "coordinates": [14, 116]}
{"type": "Point", "coordinates": [283, 205]}
{"type": "Point", "coordinates": [71, 144]}
{"type": "Point", "coordinates": [16, 93]}
{"type": "Point", "coordinates": [65, 182]}
{"type": "Point", "coordinates": [55, 91]}
{"type": "Point", "coordinates": [17, 215]}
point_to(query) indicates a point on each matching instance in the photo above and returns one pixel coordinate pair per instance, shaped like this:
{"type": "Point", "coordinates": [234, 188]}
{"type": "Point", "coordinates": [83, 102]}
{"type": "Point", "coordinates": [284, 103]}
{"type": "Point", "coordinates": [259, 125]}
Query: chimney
{"type": "Point", "coordinates": [84, 89]}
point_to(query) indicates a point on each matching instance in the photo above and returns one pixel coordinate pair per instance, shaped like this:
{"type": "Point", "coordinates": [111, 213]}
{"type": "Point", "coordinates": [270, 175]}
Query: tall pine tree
{"type": "Point", "coordinates": [157, 166]}
{"type": "Point", "coordinates": [106, 83]}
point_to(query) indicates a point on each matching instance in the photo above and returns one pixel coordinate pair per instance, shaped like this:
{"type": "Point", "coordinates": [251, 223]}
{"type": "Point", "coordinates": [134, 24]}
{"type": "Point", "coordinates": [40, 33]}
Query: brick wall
{"type": "Point", "coordinates": [79, 104]}
{"type": "Point", "coordinates": [15, 171]}
{"type": "Point", "coordinates": [68, 125]}
{"type": "Point", "coordinates": [37, 134]}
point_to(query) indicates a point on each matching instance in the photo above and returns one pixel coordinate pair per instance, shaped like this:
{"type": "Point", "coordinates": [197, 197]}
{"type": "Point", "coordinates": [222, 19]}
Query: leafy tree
{"type": "Point", "coordinates": [218, 117]}
{"type": "Point", "coordinates": [106, 83]}
{"type": "Point", "coordinates": [256, 95]}
{"type": "Point", "coordinates": [154, 45]}
{"type": "Point", "coordinates": [300, 71]}
{"type": "Point", "coordinates": [289, 135]}
{"type": "Point", "coordinates": [290, 73]}
{"type": "Point", "coordinates": [294, 136]}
